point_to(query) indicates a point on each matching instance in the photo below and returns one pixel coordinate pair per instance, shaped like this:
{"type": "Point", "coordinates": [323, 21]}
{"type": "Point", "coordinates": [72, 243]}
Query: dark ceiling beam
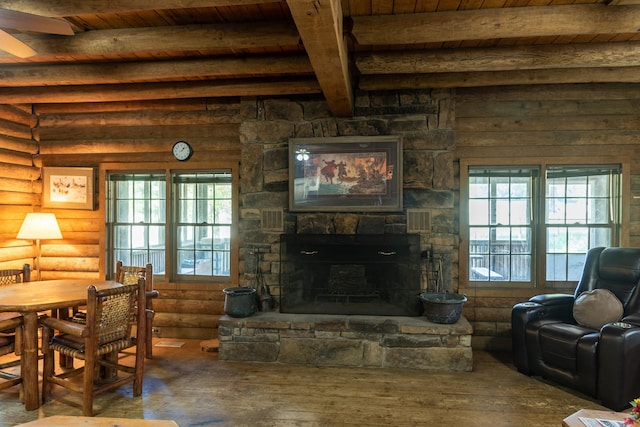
{"type": "Point", "coordinates": [82, 7]}
{"type": "Point", "coordinates": [500, 78]}
{"type": "Point", "coordinates": [623, 2]}
{"type": "Point", "coordinates": [153, 91]}
{"type": "Point", "coordinates": [321, 29]}
{"type": "Point", "coordinates": [622, 54]}
{"type": "Point", "coordinates": [482, 24]}
{"type": "Point", "coordinates": [113, 42]}
{"type": "Point", "coordinates": [24, 75]}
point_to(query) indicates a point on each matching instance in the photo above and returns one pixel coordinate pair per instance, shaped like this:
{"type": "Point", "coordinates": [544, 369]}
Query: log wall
{"type": "Point", "coordinates": [581, 122]}
{"type": "Point", "coordinates": [19, 182]}
{"type": "Point", "coordinates": [135, 133]}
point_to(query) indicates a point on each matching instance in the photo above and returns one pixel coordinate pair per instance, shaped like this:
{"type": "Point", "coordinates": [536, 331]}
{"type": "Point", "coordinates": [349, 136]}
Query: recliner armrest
{"type": "Point", "coordinates": [633, 319]}
{"type": "Point", "coordinates": [618, 368]}
{"type": "Point", "coordinates": [549, 307]}
{"type": "Point", "coordinates": [553, 299]}
{"type": "Point", "coordinates": [553, 307]}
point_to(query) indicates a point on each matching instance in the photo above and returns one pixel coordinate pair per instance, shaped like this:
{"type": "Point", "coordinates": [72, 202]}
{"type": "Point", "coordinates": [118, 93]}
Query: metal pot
{"type": "Point", "coordinates": [240, 302]}
{"type": "Point", "coordinates": [442, 307]}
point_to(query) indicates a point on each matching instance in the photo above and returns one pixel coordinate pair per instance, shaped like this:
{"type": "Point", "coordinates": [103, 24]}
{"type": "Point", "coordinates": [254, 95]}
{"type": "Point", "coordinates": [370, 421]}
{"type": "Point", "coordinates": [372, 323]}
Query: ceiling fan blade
{"type": "Point", "coordinates": [10, 44]}
{"type": "Point", "coordinates": [22, 21]}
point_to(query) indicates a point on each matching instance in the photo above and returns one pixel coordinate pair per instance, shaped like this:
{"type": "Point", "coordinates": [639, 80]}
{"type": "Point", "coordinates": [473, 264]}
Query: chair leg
{"type": "Point", "coordinates": [138, 372]}
{"type": "Point", "coordinates": [149, 338]}
{"type": "Point", "coordinates": [64, 361]}
{"type": "Point", "coordinates": [19, 339]}
{"type": "Point", "coordinates": [48, 369]}
{"type": "Point", "coordinates": [87, 388]}
{"type": "Point", "coordinates": [141, 350]}
{"type": "Point", "coordinates": [19, 345]}
{"type": "Point", "coordinates": [107, 372]}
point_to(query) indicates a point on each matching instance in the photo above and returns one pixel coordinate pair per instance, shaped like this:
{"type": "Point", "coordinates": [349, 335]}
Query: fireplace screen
{"type": "Point", "coordinates": [350, 274]}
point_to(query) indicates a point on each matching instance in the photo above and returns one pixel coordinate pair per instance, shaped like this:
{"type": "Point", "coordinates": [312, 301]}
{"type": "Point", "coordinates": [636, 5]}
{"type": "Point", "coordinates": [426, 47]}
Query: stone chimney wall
{"type": "Point", "coordinates": [424, 119]}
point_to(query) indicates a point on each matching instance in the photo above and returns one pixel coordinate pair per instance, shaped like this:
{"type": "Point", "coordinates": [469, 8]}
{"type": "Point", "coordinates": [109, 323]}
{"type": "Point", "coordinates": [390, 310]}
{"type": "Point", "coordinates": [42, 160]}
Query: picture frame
{"type": "Point", "coordinates": [68, 188]}
{"type": "Point", "coordinates": [345, 174]}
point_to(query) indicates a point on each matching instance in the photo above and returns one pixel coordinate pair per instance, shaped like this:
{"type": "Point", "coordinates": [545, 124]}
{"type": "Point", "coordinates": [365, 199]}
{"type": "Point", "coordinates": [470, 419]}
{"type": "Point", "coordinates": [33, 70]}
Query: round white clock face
{"type": "Point", "coordinates": [182, 150]}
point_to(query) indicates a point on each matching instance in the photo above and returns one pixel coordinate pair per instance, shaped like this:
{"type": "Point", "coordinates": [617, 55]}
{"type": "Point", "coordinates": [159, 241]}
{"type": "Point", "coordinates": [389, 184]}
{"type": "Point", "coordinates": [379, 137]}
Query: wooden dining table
{"type": "Point", "coordinates": [31, 298]}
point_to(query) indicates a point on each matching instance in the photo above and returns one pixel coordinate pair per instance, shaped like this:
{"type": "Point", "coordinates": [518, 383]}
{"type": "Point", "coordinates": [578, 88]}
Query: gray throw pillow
{"type": "Point", "coordinates": [596, 308]}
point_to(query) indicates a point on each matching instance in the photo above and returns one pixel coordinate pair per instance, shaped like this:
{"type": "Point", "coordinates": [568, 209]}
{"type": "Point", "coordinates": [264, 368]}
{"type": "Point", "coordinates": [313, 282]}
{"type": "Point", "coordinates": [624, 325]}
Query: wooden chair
{"type": "Point", "coordinates": [130, 274]}
{"type": "Point", "coordinates": [111, 314]}
{"type": "Point", "coordinates": [17, 275]}
{"type": "Point", "coordinates": [8, 345]}
{"type": "Point", "coordinates": [11, 329]}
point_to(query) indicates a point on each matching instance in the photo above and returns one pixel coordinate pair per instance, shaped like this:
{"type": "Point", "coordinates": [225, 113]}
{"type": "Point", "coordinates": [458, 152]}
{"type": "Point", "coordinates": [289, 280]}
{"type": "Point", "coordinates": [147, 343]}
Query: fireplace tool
{"type": "Point", "coordinates": [432, 273]}
{"type": "Point", "coordinates": [264, 293]}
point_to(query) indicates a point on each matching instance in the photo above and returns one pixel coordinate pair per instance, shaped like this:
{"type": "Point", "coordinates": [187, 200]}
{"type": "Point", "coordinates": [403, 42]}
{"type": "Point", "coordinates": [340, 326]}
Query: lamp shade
{"type": "Point", "coordinates": [40, 226]}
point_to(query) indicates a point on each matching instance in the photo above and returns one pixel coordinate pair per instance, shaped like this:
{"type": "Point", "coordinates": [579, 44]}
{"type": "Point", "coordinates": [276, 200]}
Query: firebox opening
{"type": "Point", "coordinates": [350, 274]}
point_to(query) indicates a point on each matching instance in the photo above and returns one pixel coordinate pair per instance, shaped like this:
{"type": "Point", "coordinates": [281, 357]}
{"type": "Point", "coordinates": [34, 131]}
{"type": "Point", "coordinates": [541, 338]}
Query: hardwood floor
{"type": "Point", "coordinates": [190, 386]}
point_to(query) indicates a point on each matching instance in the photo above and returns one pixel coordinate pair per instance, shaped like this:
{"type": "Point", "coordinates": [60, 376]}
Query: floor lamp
{"type": "Point", "coordinates": [37, 226]}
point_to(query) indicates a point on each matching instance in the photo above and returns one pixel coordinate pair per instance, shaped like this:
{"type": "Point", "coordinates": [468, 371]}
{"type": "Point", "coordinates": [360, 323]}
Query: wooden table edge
{"type": "Point", "coordinates": [71, 421]}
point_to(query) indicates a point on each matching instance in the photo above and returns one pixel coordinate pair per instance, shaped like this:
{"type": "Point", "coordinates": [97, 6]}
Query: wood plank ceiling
{"type": "Point", "coordinates": [125, 50]}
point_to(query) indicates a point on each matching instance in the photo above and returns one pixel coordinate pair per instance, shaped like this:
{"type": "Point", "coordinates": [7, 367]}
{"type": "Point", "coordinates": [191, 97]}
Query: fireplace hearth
{"type": "Point", "coordinates": [350, 274]}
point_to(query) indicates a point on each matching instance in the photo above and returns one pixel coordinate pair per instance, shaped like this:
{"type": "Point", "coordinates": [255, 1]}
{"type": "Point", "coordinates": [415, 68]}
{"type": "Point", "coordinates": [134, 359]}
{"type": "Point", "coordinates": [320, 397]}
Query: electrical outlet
{"type": "Point", "coordinates": [156, 331]}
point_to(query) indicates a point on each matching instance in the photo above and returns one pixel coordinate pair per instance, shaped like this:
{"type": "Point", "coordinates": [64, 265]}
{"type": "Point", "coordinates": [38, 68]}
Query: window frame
{"type": "Point", "coordinates": [169, 169]}
{"type": "Point", "coordinates": [178, 222]}
{"type": "Point", "coordinates": [539, 282]}
{"type": "Point", "coordinates": [112, 223]}
{"type": "Point", "coordinates": [533, 225]}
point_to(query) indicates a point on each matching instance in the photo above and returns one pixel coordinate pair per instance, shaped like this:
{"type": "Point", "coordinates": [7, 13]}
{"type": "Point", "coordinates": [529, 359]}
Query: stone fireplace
{"type": "Point", "coordinates": [351, 307]}
{"type": "Point", "coordinates": [350, 274]}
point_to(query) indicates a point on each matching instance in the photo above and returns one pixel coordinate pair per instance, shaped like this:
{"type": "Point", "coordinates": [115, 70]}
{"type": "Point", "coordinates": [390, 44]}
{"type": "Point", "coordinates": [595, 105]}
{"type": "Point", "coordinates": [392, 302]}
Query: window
{"type": "Point", "coordinates": [181, 222]}
{"type": "Point", "coordinates": [555, 213]}
{"type": "Point", "coordinates": [581, 212]}
{"type": "Point", "coordinates": [136, 220]}
{"type": "Point", "coordinates": [204, 223]}
{"type": "Point", "coordinates": [501, 224]}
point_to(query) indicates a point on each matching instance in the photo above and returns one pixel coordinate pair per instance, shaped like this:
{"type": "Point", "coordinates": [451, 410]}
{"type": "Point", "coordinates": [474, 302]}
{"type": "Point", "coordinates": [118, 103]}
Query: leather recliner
{"type": "Point", "coordinates": [604, 364]}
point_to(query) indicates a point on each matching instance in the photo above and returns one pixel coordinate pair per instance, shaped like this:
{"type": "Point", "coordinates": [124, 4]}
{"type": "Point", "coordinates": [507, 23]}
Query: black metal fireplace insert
{"type": "Point", "coordinates": [350, 274]}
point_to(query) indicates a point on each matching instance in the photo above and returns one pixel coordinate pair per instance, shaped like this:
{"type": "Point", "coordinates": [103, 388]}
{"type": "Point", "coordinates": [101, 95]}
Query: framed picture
{"type": "Point", "coordinates": [68, 188]}
{"type": "Point", "coordinates": [346, 174]}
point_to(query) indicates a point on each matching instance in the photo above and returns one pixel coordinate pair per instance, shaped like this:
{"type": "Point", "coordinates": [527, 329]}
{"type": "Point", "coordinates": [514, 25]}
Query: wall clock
{"type": "Point", "coordinates": [182, 150]}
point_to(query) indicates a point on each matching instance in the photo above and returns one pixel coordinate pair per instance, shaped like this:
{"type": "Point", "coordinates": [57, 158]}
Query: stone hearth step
{"type": "Point", "coordinates": [346, 340]}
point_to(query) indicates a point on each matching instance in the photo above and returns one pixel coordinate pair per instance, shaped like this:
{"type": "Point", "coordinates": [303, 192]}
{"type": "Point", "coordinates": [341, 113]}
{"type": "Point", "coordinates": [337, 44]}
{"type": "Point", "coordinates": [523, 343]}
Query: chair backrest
{"type": "Point", "coordinates": [616, 269]}
{"type": "Point", "coordinates": [127, 274]}
{"type": "Point", "coordinates": [15, 275]}
{"type": "Point", "coordinates": [112, 312]}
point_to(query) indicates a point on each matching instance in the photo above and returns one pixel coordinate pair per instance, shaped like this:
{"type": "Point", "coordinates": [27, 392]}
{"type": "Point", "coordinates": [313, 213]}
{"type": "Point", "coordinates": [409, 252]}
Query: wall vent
{"type": "Point", "coordinates": [272, 219]}
{"type": "Point", "coordinates": [418, 220]}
